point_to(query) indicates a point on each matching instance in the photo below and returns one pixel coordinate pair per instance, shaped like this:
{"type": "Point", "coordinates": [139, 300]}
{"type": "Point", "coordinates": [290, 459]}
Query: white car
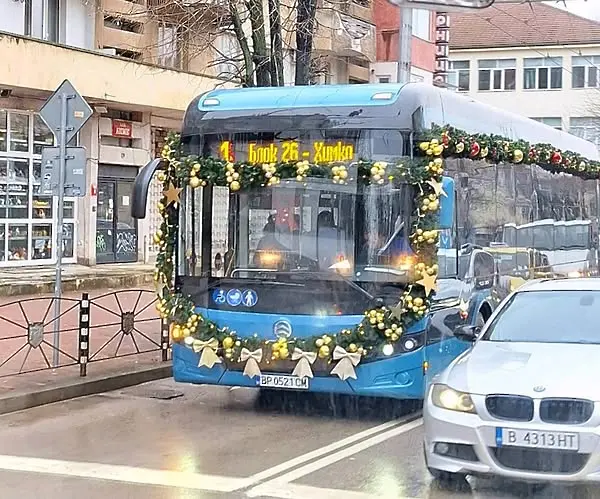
{"type": "Point", "coordinates": [524, 401]}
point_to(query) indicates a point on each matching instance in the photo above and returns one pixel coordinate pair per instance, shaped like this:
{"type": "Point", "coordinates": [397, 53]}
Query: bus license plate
{"type": "Point", "coordinates": [281, 381]}
{"type": "Point", "coordinates": [537, 439]}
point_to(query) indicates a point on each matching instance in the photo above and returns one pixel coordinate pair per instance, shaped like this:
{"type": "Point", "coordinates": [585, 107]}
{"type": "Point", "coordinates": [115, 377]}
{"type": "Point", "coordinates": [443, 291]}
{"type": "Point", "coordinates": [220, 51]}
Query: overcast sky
{"type": "Point", "coordinates": [590, 9]}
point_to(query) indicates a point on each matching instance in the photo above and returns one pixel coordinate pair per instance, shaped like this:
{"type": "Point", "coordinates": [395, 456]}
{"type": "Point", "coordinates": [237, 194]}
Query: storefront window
{"type": "Point", "coordinates": [28, 226]}
{"type": "Point", "coordinates": [3, 130]}
{"type": "Point", "coordinates": [42, 136]}
{"type": "Point", "coordinates": [19, 132]}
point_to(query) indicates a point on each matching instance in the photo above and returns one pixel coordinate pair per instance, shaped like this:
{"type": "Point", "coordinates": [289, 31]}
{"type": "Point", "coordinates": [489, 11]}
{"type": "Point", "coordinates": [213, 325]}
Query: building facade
{"type": "Point", "coordinates": [133, 64]}
{"type": "Point", "coordinates": [387, 22]}
{"type": "Point", "coordinates": [538, 61]}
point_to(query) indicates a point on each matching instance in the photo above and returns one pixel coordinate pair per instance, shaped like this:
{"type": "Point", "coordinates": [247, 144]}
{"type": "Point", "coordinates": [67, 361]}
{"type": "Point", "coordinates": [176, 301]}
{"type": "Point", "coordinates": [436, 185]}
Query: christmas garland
{"type": "Point", "coordinates": [381, 327]}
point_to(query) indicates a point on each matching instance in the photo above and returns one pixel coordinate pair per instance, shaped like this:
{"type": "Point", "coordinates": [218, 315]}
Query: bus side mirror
{"type": "Point", "coordinates": [467, 332]}
{"type": "Point", "coordinates": [139, 193]}
{"type": "Point", "coordinates": [447, 205]}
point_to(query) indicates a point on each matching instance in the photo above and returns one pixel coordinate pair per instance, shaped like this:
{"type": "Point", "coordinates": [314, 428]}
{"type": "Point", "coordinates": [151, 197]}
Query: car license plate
{"type": "Point", "coordinates": [281, 381]}
{"type": "Point", "coordinates": [537, 439]}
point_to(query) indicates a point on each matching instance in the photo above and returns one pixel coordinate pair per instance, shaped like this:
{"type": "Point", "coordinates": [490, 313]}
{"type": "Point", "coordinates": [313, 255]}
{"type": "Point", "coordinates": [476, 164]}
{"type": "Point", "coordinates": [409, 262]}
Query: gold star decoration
{"type": "Point", "coordinates": [172, 194]}
{"type": "Point", "coordinates": [437, 187]}
{"type": "Point", "coordinates": [397, 310]}
{"type": "Point", "coordinates": [428, 282]}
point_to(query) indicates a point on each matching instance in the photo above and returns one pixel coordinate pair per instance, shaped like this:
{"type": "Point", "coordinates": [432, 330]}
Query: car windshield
{"type": "Point", "coordinates": [548, 317]}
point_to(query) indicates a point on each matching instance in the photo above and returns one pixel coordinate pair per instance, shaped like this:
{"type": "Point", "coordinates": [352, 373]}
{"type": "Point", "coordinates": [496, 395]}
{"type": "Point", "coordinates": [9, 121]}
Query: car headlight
{"type": "Point", "coordinates": [448, 398]}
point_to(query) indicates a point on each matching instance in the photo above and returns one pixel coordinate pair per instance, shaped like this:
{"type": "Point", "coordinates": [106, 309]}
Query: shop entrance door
{"type": "Point", "coordinates": [116, 230]}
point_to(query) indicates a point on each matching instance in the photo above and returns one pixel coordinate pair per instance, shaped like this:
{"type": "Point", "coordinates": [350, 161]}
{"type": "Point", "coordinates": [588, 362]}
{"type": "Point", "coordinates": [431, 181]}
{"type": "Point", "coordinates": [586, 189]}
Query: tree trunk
{"type": "Point", "coordinates": [305, 27]}
{"type": "Point", "coordinates": [241, 38]}
{"type": "Point", "coordinates": [276, 44]}
{"type": "Point", "coordinates": [259, 43]}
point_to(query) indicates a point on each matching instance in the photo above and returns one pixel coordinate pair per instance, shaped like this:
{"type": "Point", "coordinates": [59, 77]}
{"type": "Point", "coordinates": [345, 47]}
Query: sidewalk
{"type": "Point", "coordinates": [35, 280]}
{"type": "Point", "coordinates": [124, 342]}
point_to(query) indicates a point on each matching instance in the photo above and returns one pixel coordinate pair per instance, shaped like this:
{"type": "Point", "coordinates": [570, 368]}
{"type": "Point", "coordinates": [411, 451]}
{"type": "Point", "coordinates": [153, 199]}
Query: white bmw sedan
{"type": "Point", "coordinates": [524, 401]}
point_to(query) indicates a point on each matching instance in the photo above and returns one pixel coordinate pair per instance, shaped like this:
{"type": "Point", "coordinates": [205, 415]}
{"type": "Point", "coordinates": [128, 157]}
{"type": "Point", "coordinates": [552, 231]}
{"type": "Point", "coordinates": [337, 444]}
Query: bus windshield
{"type": "Point", "coordinates": [314, 227]}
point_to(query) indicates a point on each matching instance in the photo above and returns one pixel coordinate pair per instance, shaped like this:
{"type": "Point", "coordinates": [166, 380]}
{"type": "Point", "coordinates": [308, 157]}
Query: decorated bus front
{"type": "Point", "coordinates": [301, 257]}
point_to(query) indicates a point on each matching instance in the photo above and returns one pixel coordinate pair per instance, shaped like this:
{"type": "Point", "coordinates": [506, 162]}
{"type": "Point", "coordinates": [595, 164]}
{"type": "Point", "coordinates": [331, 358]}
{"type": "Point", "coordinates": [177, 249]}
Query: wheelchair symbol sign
{"type": "Point", "coordinates": [219, 296]}
{"type": "Point", "coordinates": [249, 298]}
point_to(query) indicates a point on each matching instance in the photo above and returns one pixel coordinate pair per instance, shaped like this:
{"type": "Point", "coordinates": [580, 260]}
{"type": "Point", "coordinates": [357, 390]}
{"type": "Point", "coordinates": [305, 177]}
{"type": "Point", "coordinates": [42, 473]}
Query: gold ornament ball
{"type": "Point", "coordinates": [381, 326]}
{"type": "Point", "coordinates": [319, 342]}
{"type": "Point", "coordinates": [352, 348]}
{"type": "Point", "coordinates": [284, 353]}
{"type": "Point", "coordinates": [324, 351]}
{"type": "Point", "coordinates": [234, 186]}
{"type": "Point", "coordinates": [228, 342]}
{"type": "Point", "coordinates": [395, 337]}
{"type": "Point", "coordinates": [326, 340]}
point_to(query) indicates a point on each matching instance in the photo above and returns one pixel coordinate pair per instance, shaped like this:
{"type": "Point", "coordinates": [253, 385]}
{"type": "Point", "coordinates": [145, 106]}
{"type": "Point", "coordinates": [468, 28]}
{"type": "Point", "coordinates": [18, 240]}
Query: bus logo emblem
{"type": "Point", "coordinates": [539, 389]}
{"type": "Point", "coordinates": [282, 329]}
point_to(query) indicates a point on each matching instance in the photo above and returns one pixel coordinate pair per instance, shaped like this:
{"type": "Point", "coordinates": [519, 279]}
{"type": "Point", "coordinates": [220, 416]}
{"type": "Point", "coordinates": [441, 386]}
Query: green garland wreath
{"type": "Point", "coordinates": [381, 327]}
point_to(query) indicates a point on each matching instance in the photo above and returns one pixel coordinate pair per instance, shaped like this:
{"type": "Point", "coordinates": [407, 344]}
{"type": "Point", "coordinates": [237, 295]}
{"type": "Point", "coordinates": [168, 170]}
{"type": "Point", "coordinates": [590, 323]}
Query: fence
{"type": "Point", "coordinates": [110, 326]}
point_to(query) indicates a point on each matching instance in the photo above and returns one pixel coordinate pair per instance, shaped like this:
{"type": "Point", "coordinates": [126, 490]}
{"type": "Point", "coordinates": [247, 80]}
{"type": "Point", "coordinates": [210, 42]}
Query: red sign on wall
{"type": "Point", "coordinates": [122, 129]}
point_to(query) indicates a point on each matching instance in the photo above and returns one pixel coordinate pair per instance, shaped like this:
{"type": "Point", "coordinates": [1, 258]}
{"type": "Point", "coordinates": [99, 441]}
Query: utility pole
{"type": "Point", "coordinates": [404, 44]}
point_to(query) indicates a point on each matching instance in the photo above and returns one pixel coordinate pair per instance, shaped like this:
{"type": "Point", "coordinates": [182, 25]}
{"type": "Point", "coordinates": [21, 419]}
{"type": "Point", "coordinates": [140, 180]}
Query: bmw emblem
{"type": "Point", "coordinates": [282, 329]}
{"type": "Point", "coordinates": [539, 389]}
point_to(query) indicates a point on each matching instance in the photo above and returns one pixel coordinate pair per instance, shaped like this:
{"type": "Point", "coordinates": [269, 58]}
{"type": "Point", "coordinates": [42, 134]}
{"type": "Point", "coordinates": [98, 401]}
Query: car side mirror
{"type": "Point", "coordinates": [467, 332]}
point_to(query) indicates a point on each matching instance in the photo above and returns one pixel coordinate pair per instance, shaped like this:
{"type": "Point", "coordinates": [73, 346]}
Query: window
{"type": "Point", "coordinates": [586, 71]}
{"type": "Point", "coordinates": [421, 24]}
{"type": "Point", "coordinates": [553, 122]}
{"type": "Point", "coordinates": [586, 128]}
{"type": "Point", "coordinates": [168, 46]}
{"type": "Point", "coordinates": [27, 216]}
{"type": "Point", "coordinates": [383, 79]}
{"type": "Point", "coordinates": [497, 74]}
{"type": "Point", "coordinates": [542, 73]}
{"type": "Point", "coordinates": [459, 76]}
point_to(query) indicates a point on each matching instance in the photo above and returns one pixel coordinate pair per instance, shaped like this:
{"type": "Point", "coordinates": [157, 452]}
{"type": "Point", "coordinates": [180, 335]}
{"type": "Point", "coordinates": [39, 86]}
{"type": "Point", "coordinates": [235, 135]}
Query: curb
{"type": "Point", "coordinates": [81, 387]}
{"type": "Point", "coordinates": [78, 283]}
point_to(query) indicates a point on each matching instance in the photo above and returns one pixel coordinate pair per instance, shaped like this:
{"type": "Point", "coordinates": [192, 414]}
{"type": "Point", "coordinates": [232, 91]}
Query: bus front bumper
{"type": "Point", "coordinates": [399, 377]}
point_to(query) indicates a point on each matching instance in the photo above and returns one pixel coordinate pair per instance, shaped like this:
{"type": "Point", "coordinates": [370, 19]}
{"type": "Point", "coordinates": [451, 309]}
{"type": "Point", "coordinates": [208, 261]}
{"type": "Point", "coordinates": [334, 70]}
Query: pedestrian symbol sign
{"type": "Point", "coordinates": [249, 298]}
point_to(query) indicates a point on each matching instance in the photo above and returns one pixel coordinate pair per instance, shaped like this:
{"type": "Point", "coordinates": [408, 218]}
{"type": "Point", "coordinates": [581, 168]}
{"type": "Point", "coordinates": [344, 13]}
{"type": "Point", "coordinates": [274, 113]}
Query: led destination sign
{"type": "Point", "coordinates": [290, 150]}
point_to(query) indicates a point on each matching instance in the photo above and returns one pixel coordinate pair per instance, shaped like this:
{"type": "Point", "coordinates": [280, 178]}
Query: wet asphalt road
{"type": "Point", "coordinates": [210, 442]}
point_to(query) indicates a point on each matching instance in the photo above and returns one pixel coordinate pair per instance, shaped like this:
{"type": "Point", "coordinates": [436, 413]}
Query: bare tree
{"type": "Point", "coordinates": [242, 41]}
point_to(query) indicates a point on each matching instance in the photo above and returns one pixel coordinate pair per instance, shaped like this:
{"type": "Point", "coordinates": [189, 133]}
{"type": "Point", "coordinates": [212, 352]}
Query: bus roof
{"type": "Point", "coordinates": [413, 106]}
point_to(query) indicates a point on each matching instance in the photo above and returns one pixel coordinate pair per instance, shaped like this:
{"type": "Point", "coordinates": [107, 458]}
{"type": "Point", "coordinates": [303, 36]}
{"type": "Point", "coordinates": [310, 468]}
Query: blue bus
{"type": "Point", "coordinates": [308, 256]}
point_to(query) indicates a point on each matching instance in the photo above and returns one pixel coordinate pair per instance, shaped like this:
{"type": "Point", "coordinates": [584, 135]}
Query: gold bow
{"type": "Point", "coordinates": [305, 359]}
{"type": "Point", "coordinates": [252, 360]}
{"type": "Point", "coordinates": [208, 355]}
{"type": "Point", "coordinates": [344, 369]}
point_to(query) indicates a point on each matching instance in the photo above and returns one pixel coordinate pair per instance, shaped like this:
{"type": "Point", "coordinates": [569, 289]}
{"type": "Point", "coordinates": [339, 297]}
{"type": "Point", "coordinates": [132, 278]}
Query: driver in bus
{"type": "Point", "coordinates": [269, 249]}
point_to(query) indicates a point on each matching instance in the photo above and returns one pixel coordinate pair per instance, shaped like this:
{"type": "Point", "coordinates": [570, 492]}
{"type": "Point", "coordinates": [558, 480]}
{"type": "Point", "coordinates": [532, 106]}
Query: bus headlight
{"type": "Point", "coordinates": [448, 398]}
{"type": "Point", "coordinates": [574, 274]}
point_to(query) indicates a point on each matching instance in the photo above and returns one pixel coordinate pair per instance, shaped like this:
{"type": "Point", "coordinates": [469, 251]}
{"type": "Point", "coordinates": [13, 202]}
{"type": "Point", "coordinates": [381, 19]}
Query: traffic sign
{"type": "Point", "coordinates": [75, 178]}
{"type": "Point", "coordinates": [78, 111]}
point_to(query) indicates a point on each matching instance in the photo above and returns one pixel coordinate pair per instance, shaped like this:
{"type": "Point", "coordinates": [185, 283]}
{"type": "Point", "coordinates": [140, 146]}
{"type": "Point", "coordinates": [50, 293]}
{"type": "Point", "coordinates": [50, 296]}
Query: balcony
{"type": "Point", "coordinates": [345, 35]}
{"type": "Point", "coordinates": [41, 66]}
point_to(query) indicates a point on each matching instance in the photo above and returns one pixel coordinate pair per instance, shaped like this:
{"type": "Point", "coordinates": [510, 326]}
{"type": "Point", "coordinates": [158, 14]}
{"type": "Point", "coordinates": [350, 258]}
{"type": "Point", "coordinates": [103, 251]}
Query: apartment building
{"type": "Point", "coordinates": [387, 22]}
{"type": "Point", "coordinates": [138, 63]}
{"type": "Point", "coordinates": [534, 60]}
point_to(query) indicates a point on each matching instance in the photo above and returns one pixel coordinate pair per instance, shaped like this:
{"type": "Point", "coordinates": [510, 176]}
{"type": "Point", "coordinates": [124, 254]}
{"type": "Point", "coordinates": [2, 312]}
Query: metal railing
{"type": "Point", "coordinates": [114, 325]}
